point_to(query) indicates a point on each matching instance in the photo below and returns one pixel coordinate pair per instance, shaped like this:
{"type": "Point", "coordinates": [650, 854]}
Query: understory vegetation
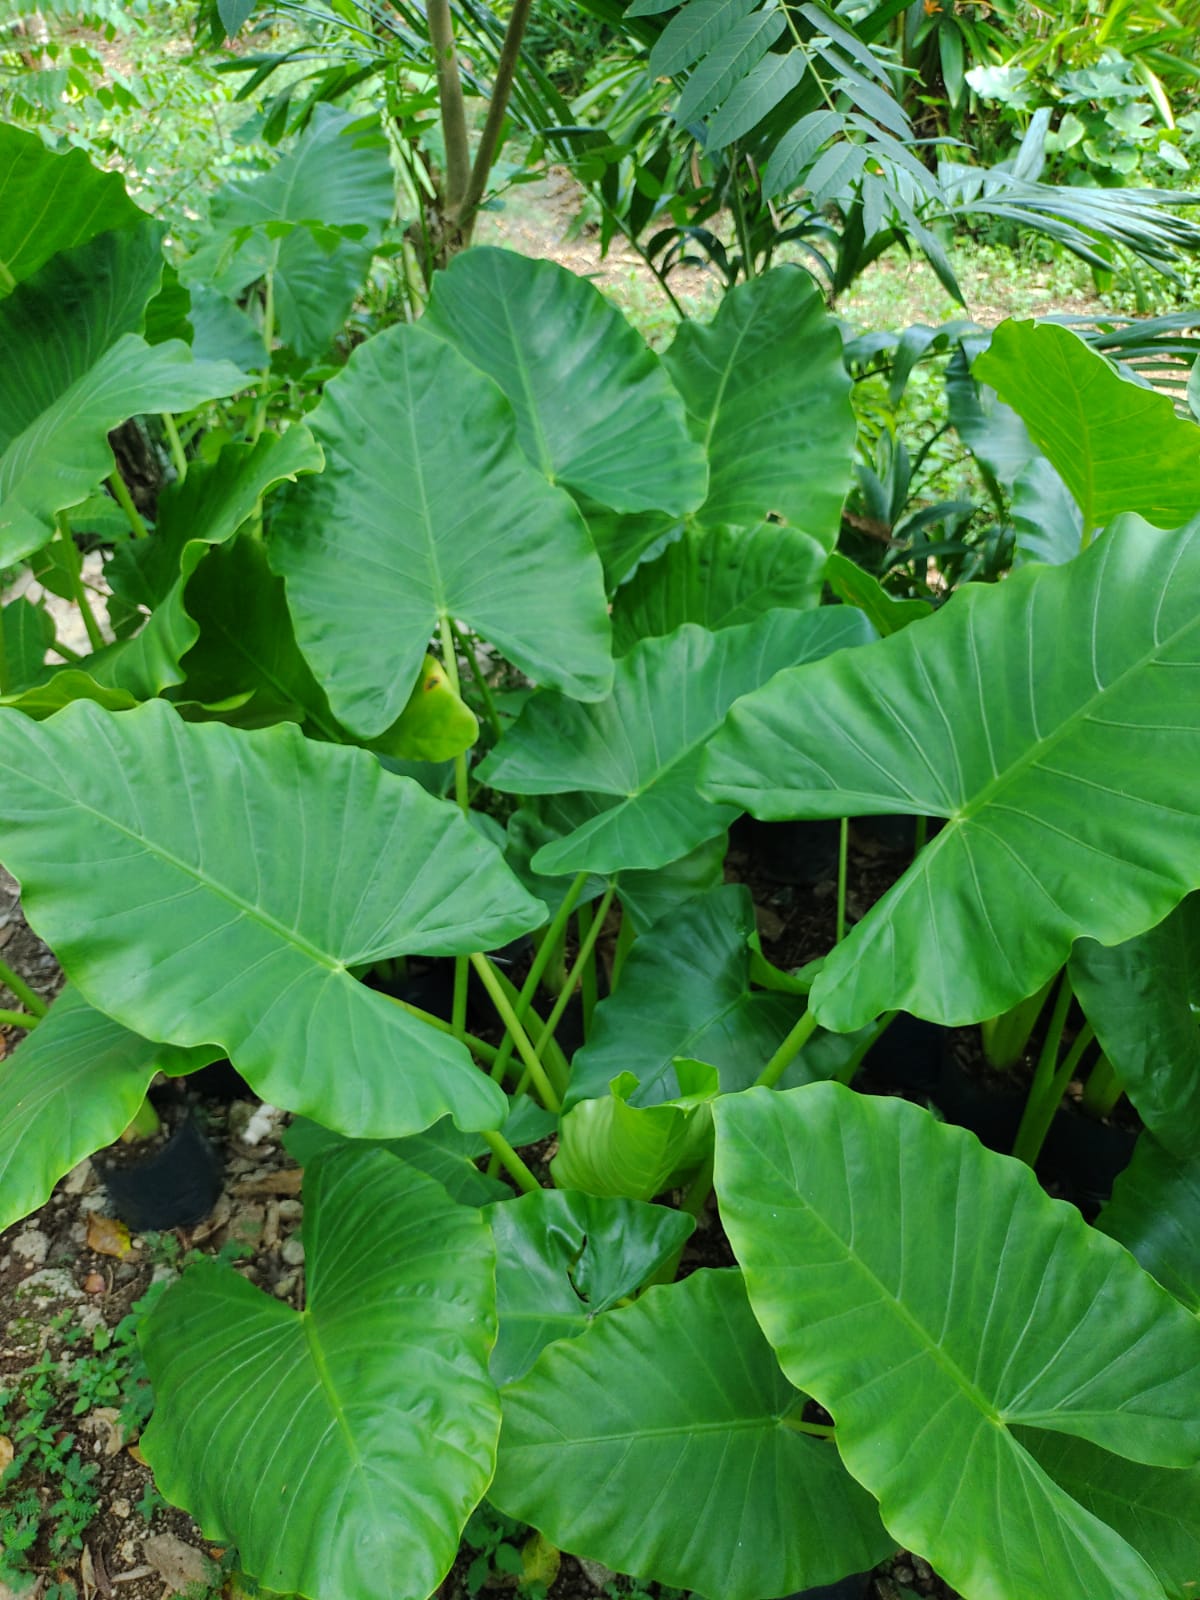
{"type": "Point", "coordinates": [560, 747]}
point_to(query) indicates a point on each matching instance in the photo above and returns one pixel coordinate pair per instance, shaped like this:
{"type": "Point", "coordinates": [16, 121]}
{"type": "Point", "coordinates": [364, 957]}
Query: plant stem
{"type": "Point", "coordinates": [544, 952]}
{"type": "Point", "coordinates": [920, 833]}
{"type": "Point", "coordinates": [268, 333]}
{"type": "Point", "coordinates": [176, 445]}
{"type": "Point", "coordinates": [489, 140]}
{"type": "Point", "coordinates": [451, 105]}
{"type": "Point", "coordinates": [625, 942]}
{"type": "Point", "coordinates": [489, 705]}
{"type": "Point", "coordinates": [78, 593]}
{"type": "Point", "coordinates": [508, 1016]}
{"type": "Point", "coordinates": [739, 217]}
{"type": "Point", "coordinates": [450, 665]}
{"type": "Point", "coordinates": [21, 989]}
{"type": "Point", "coordinates": [819, 1430]}
{"type": "Point", "coordinates": [791, 1047]}
{"type": "Point", "coordinates": [17, 1019]}
{"type": "Point", "coordinates": [124, 499]}
{"type": "Point", "coordinates": [847, 1073]}
{"type": "Point", "coordinates": [1046, 1090]}
{"type": "Point", "coordinates": [580, 966]}
{"type": "Point", "coordinates": [695, 1196]}
{"type": "Point", "coordinates": [584, 923]}
{"type": "Point", "coordinates": [478, 1047]}
{"type": "Point", "coordinates": [3, 655]}
{"type": "Point", "coordinates": [1103, 1089]}
{"type": "Point", "coordinates": [843, 853]}
{"type": "Point", "coordinates": [508, 1158]}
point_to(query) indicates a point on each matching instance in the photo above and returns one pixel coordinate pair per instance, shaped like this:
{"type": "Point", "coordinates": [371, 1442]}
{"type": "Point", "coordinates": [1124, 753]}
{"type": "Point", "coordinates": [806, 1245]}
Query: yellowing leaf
{"type": "Point", "coordinates": [435, 725]}
{"type": "Point", "coordinates": [108, 1237]}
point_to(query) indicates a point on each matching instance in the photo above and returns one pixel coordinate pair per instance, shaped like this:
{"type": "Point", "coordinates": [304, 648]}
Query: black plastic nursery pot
{"type": "Point", "coordinates": [855, 1587]}
{"type": "Point", "coordinates": [1084, 1157]}
{"type": "Point", "coordinates": [795, 853]}
{"type": "Point", "coordinates": [908, 1055]}
{"type": "Point", "coordinates": [176, 1187]}
{"type": "Point", "coordinates": [992, 1114]}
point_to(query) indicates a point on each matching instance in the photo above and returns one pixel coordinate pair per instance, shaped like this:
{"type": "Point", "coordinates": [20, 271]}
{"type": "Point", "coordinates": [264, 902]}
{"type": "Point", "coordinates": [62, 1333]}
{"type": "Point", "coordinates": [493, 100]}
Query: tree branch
{"type": "Point", "coordinates": [489, 142]}
{"type": "Point", "coordinates": [450, 100]}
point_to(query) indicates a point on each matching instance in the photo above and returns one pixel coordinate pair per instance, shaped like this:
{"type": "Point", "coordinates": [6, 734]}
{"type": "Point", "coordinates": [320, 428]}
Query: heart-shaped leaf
{"type": "Point", "coordinates": [1155, 1213]}
{"type": "Point", "coordinates": [959, 1305]}
{"type": "Point", "coordinates": [685, 991]}
{"type": "Point", "coordinates": [352, 1438]}
{"type": "Point", "coordinates": [1157, 1509]}
{"type": "Point", "coordinates": [1008, 712]}
{"type": "Point", "coordinates": [208, 508]}
{"type": "Point", "coordinates": [1116, 445]}
{"type": "Point", "coordinates": [541, 332]}
{"type": "Point", "coordinates": [1142, 998]}
{"type": "Point", "coordinates": [608, 1147]}
{"type": "Point", "coordinates": [563, 1259]}
{"type": "Point", "coordinates": [428, 509]}
{"type": "Point", "coordinates": [742, 1506]}
{"type": "Point", "coordinates": [237, 878]}
{"type": "Point", "coordinates": [885, 613]}
{"type": "Point", "coordinates": [338, 172]}
{"type": "Point", "coordinates": [768, 396]}
{"type": "Point", "coordinates": [642, 746]}
{"type": "Point", "coordinates": [52, 202]}
{"type": "Point", "coordinates": [75, 367]}
{"type": "Point", "coordinates": [441, 1153]}
{"type": "Point", "coordinates": [719, 578]}
{"type": "Point", "coordinates": [72, 1086]}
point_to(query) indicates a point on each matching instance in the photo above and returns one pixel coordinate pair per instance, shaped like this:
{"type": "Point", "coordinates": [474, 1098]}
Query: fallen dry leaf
{"type": "Point", "coordinates": [108, 1237]}
{"type": "Point", "coordinates": [105, 1423]}
{"type": "Point", "coordinates": [179, 1565]}
{"type": "Point", "coordinates": [285, 1182]}
{"type": "Point", "coordinates": [136, 1455]}
{"type": "Point", "coordinates": [6, 1452]}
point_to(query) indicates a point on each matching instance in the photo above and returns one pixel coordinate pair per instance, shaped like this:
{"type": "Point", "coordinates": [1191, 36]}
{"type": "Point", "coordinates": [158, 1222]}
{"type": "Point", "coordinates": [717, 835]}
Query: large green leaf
{"type": "Point", "coordinates": [768, 396]}
{"type": "Point", "coordinates": [246, 646]}
{"type": "Point", "coordinates": [642, 746]}
{"type": "Point", "coordinates": [1053, 719]}
{"type": "Point", "coordinates": [1116, 445]}
{"type": "Point", "coordinates": [563, 1259]}
{"type": "Point", "coordinates": [543, 334]}
{"type": "Point", "coordinates": [72, 1086]}
{"type": "Point", "coordinates": [427, 508]}
{"type": "Point", "coordinates": [685, 991]}
{"type": "Point", "coordinates": [1157, 1509]}
{"type": "Point", "coordinates": [1142, 997]}
{"type": "Point", "coordinates": [441, 1153]}
{"type": "Point", "coordinates": [352, 1439]}
{"type": "Point", "coordinates": [719, 578]}
{"type": "Point", "coordinates": [313, 222]}
{"type": "Point", "coordinates": [208, 508]}
{"type": "Point", "coordinates": [662, 1442]}
{"type": "Point", "coordinates": [606, 1146]}
{"type": "Point", "coordinates": [75, 367]}
{"type": "Point", "coordinates": [64, 454]}
{"type": "Point", "coordinates": [1155, 1213]}
{"type": "Point", "coordinates": [28, 632]}
{"type": "Point", "coordinates": [933, 1298]}
{"type": "Point", "coordinates": [51, 202]}
{"type": "Point", "coordinates": [885, 613]}
{"type": "Point", "coordinates": [205, 884]}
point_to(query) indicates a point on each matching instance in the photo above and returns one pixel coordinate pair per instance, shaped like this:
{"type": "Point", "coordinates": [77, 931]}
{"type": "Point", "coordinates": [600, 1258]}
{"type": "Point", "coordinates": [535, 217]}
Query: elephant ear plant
{"type": "Point", "coordinates": [911, 1342]}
